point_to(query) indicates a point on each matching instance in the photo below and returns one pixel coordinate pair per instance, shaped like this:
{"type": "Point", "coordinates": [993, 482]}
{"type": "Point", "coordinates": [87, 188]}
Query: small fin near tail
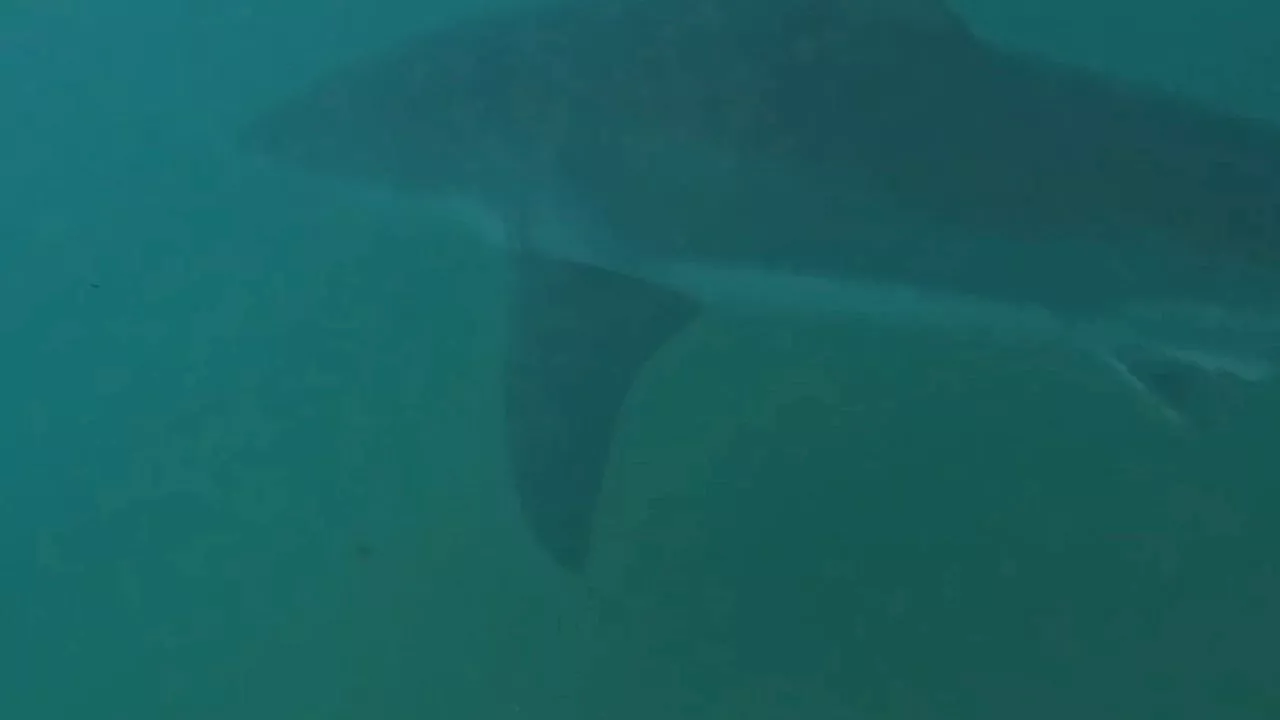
{"type": "Point", "coordinates": [577, 338]}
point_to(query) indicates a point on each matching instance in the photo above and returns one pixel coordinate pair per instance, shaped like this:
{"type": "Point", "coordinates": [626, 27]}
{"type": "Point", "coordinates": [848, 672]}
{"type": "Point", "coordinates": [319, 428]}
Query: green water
{"type": "Point", "coordinates": [252, 459]}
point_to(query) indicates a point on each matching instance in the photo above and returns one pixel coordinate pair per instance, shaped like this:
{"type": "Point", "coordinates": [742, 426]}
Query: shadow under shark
{"type": "Point", "coordinates": [644, 159]}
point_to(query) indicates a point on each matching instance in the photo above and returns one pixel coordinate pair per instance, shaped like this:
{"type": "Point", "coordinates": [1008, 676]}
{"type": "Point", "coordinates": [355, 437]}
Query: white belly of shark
{"type": "Point", "coordinates": [762, 291]}
{"type": "Point", "coordinates": [1160, 348]}
{"type": "Point", "coordinates": [1133, 343]}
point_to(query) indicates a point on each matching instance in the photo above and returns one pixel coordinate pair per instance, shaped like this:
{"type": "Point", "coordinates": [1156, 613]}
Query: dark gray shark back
{"type": "Point", "coordinates": [426, 115]}
{"type": "Point", "coordinates": [839, 88]}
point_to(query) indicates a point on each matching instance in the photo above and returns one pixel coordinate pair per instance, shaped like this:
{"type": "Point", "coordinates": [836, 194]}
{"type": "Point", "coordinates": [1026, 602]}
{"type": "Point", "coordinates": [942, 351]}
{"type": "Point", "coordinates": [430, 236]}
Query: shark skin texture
{"type": "Point", "coordinates": [642, 161]}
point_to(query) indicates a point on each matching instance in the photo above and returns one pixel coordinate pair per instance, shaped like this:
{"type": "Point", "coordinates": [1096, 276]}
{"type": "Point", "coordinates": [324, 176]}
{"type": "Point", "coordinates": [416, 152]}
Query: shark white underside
{"type": "Point", "coordinates": [1119, 340]}
{"type": "Point", "coordinates": [1151, 346]}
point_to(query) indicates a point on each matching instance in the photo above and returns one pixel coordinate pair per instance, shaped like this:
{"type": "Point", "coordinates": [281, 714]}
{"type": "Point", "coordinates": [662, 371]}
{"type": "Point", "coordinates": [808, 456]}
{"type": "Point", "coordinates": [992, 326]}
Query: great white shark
{"type": "Point", "coordinates": [641, 160]}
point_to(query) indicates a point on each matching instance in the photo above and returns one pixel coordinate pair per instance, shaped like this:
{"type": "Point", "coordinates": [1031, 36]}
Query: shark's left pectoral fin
{"type": "Point", "coordinates": [1174, 388]}
{"type": "Point", "coordinates": [577, 338]}
{"type": "Point", "coordinates": [1182, 386]}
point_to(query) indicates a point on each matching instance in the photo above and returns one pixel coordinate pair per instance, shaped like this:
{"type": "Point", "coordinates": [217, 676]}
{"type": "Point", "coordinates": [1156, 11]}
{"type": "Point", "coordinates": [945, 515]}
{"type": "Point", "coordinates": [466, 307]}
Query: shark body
{"type": "Point", "coordinates": [644, 159]}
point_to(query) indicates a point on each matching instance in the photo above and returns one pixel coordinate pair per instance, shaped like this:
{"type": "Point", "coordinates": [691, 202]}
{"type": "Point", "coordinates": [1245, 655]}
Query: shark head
{"type": "Point", "coordinates": [868, 159]}
{"type": "Point", "coordinates": [385, 125]}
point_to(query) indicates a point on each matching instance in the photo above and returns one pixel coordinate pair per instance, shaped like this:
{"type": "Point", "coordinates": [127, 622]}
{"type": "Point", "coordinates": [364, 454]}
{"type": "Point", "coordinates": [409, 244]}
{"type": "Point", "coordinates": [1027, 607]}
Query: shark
{"type": "Point", "coordinates": [642, 162]}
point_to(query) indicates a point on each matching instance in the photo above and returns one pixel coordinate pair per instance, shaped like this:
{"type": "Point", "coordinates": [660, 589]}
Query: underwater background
{"type": "Point", "coordinates": [250, 437]}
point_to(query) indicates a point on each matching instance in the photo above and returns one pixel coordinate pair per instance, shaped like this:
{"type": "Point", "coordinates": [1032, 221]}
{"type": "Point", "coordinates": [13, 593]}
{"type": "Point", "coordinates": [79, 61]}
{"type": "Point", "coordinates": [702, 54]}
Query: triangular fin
{"type": "Point", "coordinates": [1174, 387]}
{"type": "Point", "coordinates": [578, 336]}
{"type": "Point", "coordinates": [1183, 386]}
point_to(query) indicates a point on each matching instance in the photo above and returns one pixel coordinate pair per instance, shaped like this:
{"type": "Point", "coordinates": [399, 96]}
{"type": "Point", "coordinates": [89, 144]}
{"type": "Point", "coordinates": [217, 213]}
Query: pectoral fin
{"type": "Point", "coordinates": [1173, 387]}
{"type": "Point", "coordinates": [1183, 386]}
{"type": "Point", "coordinates": [577, 338]}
